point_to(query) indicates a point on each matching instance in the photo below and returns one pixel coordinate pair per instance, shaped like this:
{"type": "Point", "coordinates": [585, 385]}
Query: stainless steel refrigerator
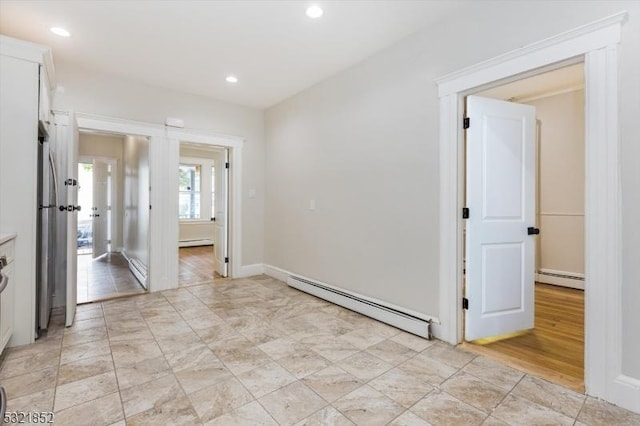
{"type": "Point", "coordinates": [46, 232]}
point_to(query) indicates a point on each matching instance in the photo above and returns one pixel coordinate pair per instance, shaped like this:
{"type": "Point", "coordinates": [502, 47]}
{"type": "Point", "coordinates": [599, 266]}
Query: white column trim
{"type": "Point", "coordinates": [603, 242]}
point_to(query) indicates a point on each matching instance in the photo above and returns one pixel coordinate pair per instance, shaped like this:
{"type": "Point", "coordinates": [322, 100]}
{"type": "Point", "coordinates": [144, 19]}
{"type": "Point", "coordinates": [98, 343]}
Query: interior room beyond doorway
{"type": "Point", "coordinates": [554, 348]}
{"type": "Point", "coordinates": [202, 213]}
{"type": "Point", "coordinates": [113, 218]}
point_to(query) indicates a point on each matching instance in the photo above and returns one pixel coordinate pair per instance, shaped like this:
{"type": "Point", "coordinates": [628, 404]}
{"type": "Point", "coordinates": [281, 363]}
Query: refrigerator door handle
{"type": "Point", "coordinates": [55, 179]}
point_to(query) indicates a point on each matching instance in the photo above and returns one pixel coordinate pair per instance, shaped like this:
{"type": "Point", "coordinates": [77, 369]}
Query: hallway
{"type": "Point", "coordinates": [105, 277]}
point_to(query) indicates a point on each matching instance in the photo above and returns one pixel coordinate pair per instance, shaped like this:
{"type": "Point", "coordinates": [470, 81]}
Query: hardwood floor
{"type": "Point", "coordinates": [196, 265]}
{"type": "Point", "coordinates": [555, 348]}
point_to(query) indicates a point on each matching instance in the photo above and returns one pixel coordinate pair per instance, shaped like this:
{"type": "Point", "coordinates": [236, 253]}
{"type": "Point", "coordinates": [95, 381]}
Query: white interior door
{"type": "Point", "coordinates": [501, 201]}
{"type": "Point", "coordinates": [73, 137]}
{"type": "Point", "coordinates": [222, 220]}
{"type": "Point", "coordinates": [99, 211]}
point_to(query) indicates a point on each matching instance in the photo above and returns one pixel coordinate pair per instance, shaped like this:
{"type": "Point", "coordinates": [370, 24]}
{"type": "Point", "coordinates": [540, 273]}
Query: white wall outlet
{"type": "Point", "coordinates": [312, 204]}
{"type": "Point", "coordinates": [252, 193]}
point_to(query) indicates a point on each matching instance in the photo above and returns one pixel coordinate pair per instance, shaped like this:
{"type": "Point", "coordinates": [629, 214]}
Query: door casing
{"type": "Point", "coordinates": [597, 45]}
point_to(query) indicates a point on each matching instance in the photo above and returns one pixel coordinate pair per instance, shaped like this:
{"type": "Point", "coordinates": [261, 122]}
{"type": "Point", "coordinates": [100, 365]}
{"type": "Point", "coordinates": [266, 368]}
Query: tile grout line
{"type": "Point", "coordinates": [584, 402]}
{"type": "Point", "coordinates": [55, 388]}
{"type": "Point", "coordinates": [255, 399]}
{"type": "Point", "coordinates": [113, 362]}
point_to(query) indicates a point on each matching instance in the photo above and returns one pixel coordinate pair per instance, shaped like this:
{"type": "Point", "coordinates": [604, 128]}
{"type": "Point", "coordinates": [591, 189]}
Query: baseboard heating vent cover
{"type": "Point", "coordinates": [139, 270]}
{"type": "Point", "coordinates": [376, 310]}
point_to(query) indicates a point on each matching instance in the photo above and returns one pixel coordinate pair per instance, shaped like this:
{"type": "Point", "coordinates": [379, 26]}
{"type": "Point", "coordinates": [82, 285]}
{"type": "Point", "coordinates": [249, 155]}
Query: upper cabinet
{"type": "Point", "coordinates": [44, 97]}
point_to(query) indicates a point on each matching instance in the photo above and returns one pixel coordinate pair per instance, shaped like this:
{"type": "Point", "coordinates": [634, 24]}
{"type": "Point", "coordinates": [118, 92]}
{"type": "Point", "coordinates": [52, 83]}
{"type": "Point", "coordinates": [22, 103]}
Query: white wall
{"type": "Point", "coordinates": [90, 92]}
{"type": "Point", "coordinates": [364, 145]}
{"type": "Point", "coordinates": [136, 198]}
{"type": "Point", "coordinates": [561, 182]}
{"type": "Point", "coordinates": [96, 145]}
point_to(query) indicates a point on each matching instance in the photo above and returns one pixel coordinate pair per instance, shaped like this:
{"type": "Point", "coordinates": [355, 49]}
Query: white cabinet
{"type": "Point", "coordinates": [7, 296]}
{"type": "Point", "coordinates": [44, 103]}
{"type": "Point", "coordinates": [21, 98]}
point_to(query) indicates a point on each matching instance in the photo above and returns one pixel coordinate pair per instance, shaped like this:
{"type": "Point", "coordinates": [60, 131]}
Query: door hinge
{"type": "Point", "coordinates": [465, 303]}
{"type": "Point", "coordinates": [465, 212]}
{"type": "Point", "coordinates": [465, 122]}
{"type": "Point", "coordinates": [226, 260]}
{"type": "Point", "coordinates": [108, 241]}
{"type": "Point", "coordinates": [226, 165]}
{"type": "Point", "coordinates": [149, 206]}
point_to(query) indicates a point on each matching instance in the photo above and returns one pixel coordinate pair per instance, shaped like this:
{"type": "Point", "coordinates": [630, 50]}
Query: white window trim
{"type": "Point", "coordinates": [596, 44]}
{"type": "Point", "coordinates": [200, 213]}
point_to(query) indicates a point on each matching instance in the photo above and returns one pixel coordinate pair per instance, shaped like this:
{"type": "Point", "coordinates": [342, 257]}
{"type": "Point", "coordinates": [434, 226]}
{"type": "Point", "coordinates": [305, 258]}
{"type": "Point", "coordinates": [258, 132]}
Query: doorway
{"type": "Point", "coordinates": [535, 316]}
{"type": "Point", "coordinates": [597, 45]}
{"type": "Point", "coordinates": [112, 238]}
{"type": "Point", "coordinates": [203, 181]}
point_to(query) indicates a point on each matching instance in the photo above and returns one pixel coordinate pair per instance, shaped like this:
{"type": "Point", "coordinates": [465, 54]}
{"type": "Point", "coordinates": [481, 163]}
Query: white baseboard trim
{"type": "Point", "coordinates": [404, 319]}
{"type": "Point", "coordinates": [251, 270]}
{"type": "Point", "coordinates": [626, 393]}
{"type": "Point", "coordinates": [277, 273]}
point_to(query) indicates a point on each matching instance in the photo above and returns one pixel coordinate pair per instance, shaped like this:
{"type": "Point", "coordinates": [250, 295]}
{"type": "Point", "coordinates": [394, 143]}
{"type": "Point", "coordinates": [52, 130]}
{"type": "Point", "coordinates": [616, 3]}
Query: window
{"type": "Point", "coordinates": [189, 191]}
{"type": "Point", "coordinates": [213, 192]}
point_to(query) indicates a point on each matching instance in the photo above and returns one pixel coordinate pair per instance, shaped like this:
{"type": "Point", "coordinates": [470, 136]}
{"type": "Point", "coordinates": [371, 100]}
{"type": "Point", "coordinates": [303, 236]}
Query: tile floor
{"type": "Point", "coordinates": [104, 277]}
{"type": "Point", "coordinates": [196, 265]}
{"type": "Point", "coordinates": [256, 352]}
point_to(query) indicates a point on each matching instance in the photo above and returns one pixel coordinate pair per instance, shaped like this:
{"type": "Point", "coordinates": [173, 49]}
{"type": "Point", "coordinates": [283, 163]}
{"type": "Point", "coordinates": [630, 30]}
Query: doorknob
{"type": "Point", "coordinates": [96, 215]}
{"type": "Point", "coordinates": [533, 231]}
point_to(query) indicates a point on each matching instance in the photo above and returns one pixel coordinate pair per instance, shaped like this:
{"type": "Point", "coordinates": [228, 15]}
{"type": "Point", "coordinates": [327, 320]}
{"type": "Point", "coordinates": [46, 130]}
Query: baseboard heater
{"type": "Point", "coordinates": [375, 310]}
{"type": "Point", "coordinates": [195, 243]}
{"type": "Point", "coordinates": [139, 270]}
{"type": "Point", "coordinates": [561, 278]}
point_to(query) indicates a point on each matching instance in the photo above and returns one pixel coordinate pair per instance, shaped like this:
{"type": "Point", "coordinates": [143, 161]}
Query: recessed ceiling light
{"type": "Point", "coordinates": [231, 79]}
{"type": "Point", "coordinates": [60, 31]}
{"type": "Point", "coordinates": [314, 11]}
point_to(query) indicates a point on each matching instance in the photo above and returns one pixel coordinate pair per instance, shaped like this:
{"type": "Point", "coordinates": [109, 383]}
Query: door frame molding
{"type": "Point", "coordinates": [597, 45]}
{"type": "Point", "coordinates": [164, 148]}
{"type": "Point", "coordinates": [234, 144]}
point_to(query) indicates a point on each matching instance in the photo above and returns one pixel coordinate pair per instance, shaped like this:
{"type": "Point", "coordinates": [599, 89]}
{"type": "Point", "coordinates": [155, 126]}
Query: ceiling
{"type": "Point", "coordinates": [273, 48]}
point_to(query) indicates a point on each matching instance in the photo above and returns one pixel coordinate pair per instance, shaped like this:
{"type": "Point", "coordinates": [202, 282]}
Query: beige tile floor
{"type": "Point", "coordinates": [256, 352]}
{"type": "Point", "coordinates": [104, 277]}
